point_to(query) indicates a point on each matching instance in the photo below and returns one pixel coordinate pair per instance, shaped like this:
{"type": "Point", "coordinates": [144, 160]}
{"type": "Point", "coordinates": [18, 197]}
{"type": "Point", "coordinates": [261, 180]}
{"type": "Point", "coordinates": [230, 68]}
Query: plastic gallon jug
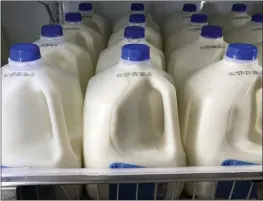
{"type": "Point", "coordinates": [251, 32]}
{"type": "Point", "coordinates": [134, 125]}
{"type": "Point", "coordinates": [41, 115]}
{"type": "Point", "coordinates": [95, 21]}
{"type": "Point", "coordinates": [187, 34]}
{"type": "Point", "coordinates": [177, 21]}
{"type": "Point", "coordinates": [234, 19]}
{"type": "Point", "coordinates": [76, 32]}
{"type": "Point", "coordinates": [59, 53]}
{"type": "Point", "coordinates": [132, 35]}
{"type": "Point", "coordinates": [152, 36]}
{"type": "Point", "coordinates": [223, 122]}
{"type": "Point", "coordinates": [136, 8]}
{"type": "Point", "coordinates": [197, 55]}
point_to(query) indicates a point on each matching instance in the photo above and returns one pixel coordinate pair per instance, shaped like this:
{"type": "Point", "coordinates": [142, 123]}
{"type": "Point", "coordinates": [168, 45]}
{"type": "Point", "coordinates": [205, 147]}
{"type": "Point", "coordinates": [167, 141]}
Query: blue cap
{"type": "Point", "coordinates": [134, 32]}
{"type": "Point", "coordinates": [73, 17]}
{"type": "Point", "coordinates": [137, 7]}
{"type": "Point", "coordinates": [199, 18]}
{"type": "Point", "coordinates": [24, 52]}
{"type": "Point", "coordinates": [137, 18]}
{"type": "Point", "coordinates": [211, 31]}
{"type": "Point", "coordinates": [189, 7]}
{"type": "Point", "coordinates": [239, 7]}
{"type": "Point", "coordinates": [85, 7]}
{"type": "Point", "coordinates": [135, 52]}
{"type": "Point", "coordinates": [242, 51]}
{"type": "Point", "coordinates": [51, 30]}
{"type": "Point", "coordinates": [258, 17]}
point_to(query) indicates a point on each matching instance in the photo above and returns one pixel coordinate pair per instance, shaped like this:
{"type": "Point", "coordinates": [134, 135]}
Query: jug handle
{"type": "Point", "coordinates": [58, 124]}
{"type": "Point", "coordinates": [171, 125]}
{"type": "Point", "coordinates": [259, 110]}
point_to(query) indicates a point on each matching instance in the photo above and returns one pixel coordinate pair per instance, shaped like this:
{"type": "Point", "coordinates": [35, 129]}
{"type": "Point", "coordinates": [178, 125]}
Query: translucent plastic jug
{"type": "Point", "coordinates": [132, 35]}
{"type": "Point", "coordinates": [136, 8]}
{"type": "Point", "coordinates": [41, 115]}
{"type": "Point", "coordinates": [130, 120]}
{"type": "Point", "coordinates": [138, 20]}
{"type": "Point", "coordinates": [59, 53]}
{"type": "Point", "coordinates": [76, 32]}
{"type": "Point", "coordinates": [234, 19]}
{"type": "Point", "coordinates": [223, 122]}
{"type": "Point", "coordinates": [176, 21]}
{"type": "Point", "coordinates": [187, 34]}
{"type": "Point", "coordinates": [186, 61]}
{"type": "Point", "coordinates": [251, 32]}
{"type": "Point", "coordinates": [95, 21]}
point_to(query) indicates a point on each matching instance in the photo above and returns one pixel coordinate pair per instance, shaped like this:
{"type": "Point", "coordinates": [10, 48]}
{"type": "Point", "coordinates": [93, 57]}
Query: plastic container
{"type": "Point", "coordinates": [138, 20]}
{"type": "Point", "coordinates": [76, 32]}
{"type": "Point", "coordinates": [41, 114]}
{"type": "Point", "coordinates": [186, 61]}
{"type": "Point", "coordinates": [136, 8]}
{"type": "Point", "coordinates": [237, 17]}
{"type": "Point", "coordinates": [130, 121]}
{"type": "Point", "coordinates": [176, 21]}
{"type": "Point", "coordinates": [59, 53]}
{"type": "Point", "coordinates": [223, 121]}
{"type": "Point", "coordinates": [251, 32]}
{"type": "Point", "coordinates": [132, 35]}
{"type": "Point", "coordinates": [260, 53]}
{"type": "Point", "coordinates": [187, 34]}
{"type": "Point", "coordinates": [95, 21]}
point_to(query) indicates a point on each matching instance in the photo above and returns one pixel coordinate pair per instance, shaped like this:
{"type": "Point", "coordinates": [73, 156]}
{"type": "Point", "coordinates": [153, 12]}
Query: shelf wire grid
{"type": "Point", "coordinates": [15, 178]}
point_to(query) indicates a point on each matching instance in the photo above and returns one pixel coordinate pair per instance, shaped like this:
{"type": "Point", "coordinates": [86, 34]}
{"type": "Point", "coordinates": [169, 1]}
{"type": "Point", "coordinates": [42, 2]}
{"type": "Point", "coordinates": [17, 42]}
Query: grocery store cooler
{"type": "Point", "coordinates": [38, 184]}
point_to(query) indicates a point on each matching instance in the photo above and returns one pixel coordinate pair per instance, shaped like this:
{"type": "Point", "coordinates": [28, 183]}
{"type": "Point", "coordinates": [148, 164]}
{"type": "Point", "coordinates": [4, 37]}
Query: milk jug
{"type": "Point", "coordinates": [176, 21]}
{"type": "Point", "coordinates": [83, 36]}
{"type": "Point", "coordinates": [251, 32]}
{"type": "Point", "coordinates": [136, 8]}
{"type": "Point", "coordinates": [130, 121]}
{"type": "Point", "coordinates": [234, 19]}
{"type": "Point", "coordinates": [187, 34]}
{"type": "Point", "coordinates": [132, 35]}
{"type": "Point", "coordinates": [186, 61]}
{"type": "Point", "coordinates": [93, 20]}
{"type": "Point", "coordinates": [41, 115]}
{"type": "Point", "coordinates": [138, 20]}
{"type": "Point", "coordinates": [59, 53]}
{"type": "Point", "coordinates": [223, 121]}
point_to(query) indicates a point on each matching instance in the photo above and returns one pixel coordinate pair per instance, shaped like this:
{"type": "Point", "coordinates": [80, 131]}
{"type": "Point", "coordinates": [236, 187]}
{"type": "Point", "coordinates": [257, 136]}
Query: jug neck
{"type": "Point", "coordinates": [132, 40]}
{"type": "Point", "coordinates": [240, 63]}
{"type": "Point", "coordinates": [237, 14]}
{"type": "Point", "coordinates": [129, 64]}
{"type": "Point", "coordinates": [87, 13]}
{"type": "Point", "coordinates": [206, 40]}
{"type": "Point", "coordinates": [53, 39]}
{"type": "Point", "coordinates": [30, 65]}
{"type": "Point", "coordinates": [138, 24]}
{"type": "Point", "coordinates": [73, 23]}
{"type": "Point", "coordinates": [198, 24]}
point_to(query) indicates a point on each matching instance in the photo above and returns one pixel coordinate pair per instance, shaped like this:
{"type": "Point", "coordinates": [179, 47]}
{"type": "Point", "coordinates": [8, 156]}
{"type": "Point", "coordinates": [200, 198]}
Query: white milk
{"type": "Point", "coordinates": [130, 120]}
{"type": "Point", "coordinates": [41, 115]}
{"type": "Point", "coordinates": [223, 121]}
{"type": "Point", "coordinates": [86, 37]}
{"type": "Point", "coordinates": [234, 19]}
{"type": "Point", "coordinates": [152, 36]}
{"type": "Point", "coordinates": [185, 62]}
{"type": "Point", "coordinates": [59, 53]}
{"type": "Point", "coordinates": [176, 21]}
{"type": "Point", "coordinates": [187, 34]}
{"type": "Point", "coordinates": [251, 32]}
{"type": "Point", "coordinates": [136, 8]}
{"type": "Point", "coordinates": [95, 21]}
{"type": "Point", "coordinates": [132, 35]}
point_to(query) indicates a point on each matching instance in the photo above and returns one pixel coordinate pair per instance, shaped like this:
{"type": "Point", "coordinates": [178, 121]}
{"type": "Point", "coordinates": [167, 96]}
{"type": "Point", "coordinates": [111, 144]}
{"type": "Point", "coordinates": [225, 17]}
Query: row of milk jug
{"type": "Point", "coordinates": [132, 56]}
{"type": "Point", "coordinates": [189, 24]}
